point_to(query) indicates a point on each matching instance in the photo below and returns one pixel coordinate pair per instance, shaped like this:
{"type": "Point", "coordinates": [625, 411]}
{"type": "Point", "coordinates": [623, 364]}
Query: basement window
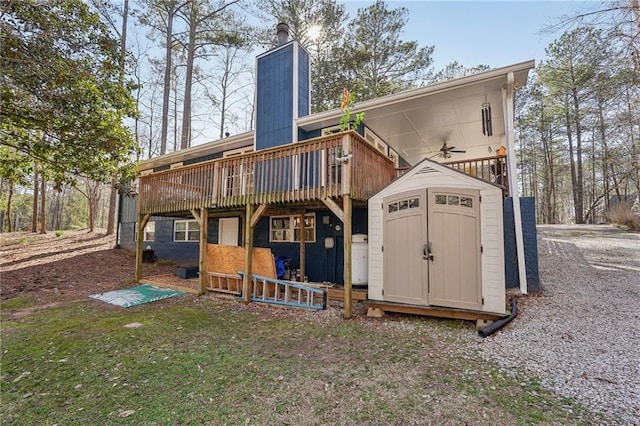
{"type": "Point", "coordinates": [149, 232]}
{"type": "Point", "coordinates": [286, 229]}
{"type": "Point", "coordinates": [186, 231]}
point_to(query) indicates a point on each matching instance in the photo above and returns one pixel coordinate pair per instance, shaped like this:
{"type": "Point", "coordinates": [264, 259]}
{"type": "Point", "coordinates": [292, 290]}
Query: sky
{"type": "Point", "coordinates": [493, 33]}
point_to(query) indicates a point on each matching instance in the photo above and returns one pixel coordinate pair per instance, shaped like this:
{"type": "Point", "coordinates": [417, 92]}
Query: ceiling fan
{"type": "Point", "coordinates": [447, 150]}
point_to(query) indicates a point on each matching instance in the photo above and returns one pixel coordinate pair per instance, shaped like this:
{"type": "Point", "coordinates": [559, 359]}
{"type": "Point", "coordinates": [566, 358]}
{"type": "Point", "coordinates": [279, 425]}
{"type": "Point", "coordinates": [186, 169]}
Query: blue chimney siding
{"type": "Point", "coordinates": [274, 98]}
{"type": "Point", "coordinates": [282, 95]}
{"type": "Point", "coordinates": [304, 92]}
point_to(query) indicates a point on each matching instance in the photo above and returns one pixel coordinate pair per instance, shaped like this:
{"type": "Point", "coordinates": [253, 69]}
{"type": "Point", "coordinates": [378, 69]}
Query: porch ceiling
{"type": "Point", "coordinates": [417, 122]}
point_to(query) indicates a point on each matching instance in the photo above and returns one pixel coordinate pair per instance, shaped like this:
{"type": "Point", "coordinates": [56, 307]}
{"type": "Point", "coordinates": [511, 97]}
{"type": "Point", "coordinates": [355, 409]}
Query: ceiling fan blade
{"type": "Point", "coordinates": [457, 150]}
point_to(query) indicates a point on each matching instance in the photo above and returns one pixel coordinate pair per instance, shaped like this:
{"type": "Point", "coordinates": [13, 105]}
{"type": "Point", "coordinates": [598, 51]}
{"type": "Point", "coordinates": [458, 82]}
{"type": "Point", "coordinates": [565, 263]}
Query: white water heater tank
{"type": "Point", "coordinates": [359, 259]}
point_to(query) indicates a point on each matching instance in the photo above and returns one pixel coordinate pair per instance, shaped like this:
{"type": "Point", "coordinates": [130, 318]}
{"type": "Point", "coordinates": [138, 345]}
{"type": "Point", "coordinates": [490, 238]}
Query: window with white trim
{"type": "Point", "coordinates": [286, 229]}
{"type": "Point", "coordinates": [149, 232]}
{"type": "Point", "coordinates": [186, 230]}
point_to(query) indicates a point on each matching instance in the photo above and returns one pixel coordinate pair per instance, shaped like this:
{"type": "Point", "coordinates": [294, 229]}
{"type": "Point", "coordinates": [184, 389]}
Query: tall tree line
{"type": "Point", "coordinates": [578, 119]}
{"type": "Point", "coordinates": [127, 80]}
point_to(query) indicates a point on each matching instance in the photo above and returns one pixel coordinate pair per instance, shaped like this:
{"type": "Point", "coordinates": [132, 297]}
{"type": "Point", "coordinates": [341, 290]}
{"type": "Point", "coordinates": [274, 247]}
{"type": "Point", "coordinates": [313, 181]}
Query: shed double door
{"type": "Point", "coordinates": [432, 248]}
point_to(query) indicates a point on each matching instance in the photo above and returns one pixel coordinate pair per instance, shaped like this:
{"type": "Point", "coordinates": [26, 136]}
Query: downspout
{"type": "Point", "coordinates": [117, 246]}
{"type": "Point", "coordinates": [492, 328]}
{"type": "Point", "coordinates": [508, 101]}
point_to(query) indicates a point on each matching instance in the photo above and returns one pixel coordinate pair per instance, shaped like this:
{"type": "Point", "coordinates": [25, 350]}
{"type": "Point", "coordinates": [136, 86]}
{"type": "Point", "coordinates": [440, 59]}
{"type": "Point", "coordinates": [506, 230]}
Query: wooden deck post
{"type": "Point", "coordinates": [303, 247]}
{"type": "Point", "coordinates": [347, 222]}
{"type": "Point", "coordinates": [143, 219]}
{"type": "Point", "coordinates": [248, 258]}
{"type": "Point", "coordinates": [202, 263]}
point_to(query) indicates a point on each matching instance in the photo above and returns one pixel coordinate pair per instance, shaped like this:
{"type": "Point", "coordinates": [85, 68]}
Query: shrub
{"type": "Point", "coordinates": [59, 233]}
{"type": "Point", "coordinates": [621, 214]}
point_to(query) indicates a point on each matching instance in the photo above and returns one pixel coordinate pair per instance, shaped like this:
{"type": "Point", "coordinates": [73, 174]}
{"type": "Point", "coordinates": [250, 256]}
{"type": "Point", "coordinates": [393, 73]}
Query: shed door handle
{"type": "Point", "coordinates": [426, 251]}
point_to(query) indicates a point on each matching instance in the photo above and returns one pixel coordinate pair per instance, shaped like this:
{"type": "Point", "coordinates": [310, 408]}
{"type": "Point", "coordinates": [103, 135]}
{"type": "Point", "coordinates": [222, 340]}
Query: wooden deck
{"type": "Point", "coordinates": [323, 168]}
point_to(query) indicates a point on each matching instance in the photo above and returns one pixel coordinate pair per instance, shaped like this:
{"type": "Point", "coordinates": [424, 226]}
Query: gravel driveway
{"type": "Point", "coordinates": [581, 335]}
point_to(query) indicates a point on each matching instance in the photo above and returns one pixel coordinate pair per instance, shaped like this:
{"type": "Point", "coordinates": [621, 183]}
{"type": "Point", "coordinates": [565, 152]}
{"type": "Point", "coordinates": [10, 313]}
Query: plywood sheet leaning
{"type": "Point", "coordinates": [223, 262]}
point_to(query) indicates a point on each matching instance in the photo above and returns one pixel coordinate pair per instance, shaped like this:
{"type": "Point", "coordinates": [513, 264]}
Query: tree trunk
{"type": "Point", "coordinates": [123, 56]}
{"type": "Point", "coordinates": [43, 216]}
{"type": "Point", "coordinates": [225, 83]}
{"type": "Point", "coordinates": [171, 10]}
{"type": "Point", "coordinates": [579, 187]}
{"type": "Point", "coordinates": [9, 227]}
{"type": "Point", "coordinates": [113, 197]}
{"type": "Point", "coordinates": [572, 162]}
{"type": "Point", "coordinates": [185, 140]}
{"type": "Point", "coordinates": [34, 217]}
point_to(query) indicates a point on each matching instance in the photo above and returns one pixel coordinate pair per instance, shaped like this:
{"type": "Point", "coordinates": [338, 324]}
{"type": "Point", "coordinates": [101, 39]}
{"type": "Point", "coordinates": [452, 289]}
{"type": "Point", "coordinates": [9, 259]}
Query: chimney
{"type": "Point", "coordinates": [282, 31]}
{"type": "Point", "coordinates": [282, 92]}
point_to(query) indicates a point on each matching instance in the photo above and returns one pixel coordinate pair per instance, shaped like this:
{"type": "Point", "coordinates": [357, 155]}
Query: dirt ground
{"type": "Point", "coordinates": [51, 271]}
{"type": "Point", "coordinates": [57, 269]}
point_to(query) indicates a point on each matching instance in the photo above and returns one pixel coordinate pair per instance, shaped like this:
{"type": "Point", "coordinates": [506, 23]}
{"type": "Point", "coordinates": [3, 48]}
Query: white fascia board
{"type": "Point", "coordinates": [196, 151]}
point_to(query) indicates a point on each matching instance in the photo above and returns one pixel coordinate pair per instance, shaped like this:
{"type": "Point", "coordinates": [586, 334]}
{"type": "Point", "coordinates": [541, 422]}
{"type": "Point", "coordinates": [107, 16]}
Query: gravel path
{"type": "Point", "coordinates": [581, 335]}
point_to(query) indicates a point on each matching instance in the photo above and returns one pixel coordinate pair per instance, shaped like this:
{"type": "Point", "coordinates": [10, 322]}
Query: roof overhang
{"type": "Point", "coordinates": [417, 122]}
{"type": "Point", "coordinates": [221, 145]}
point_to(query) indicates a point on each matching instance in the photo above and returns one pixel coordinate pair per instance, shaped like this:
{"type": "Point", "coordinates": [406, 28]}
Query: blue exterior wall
{"type": "Point", "coordinates": [321, 264]}
{"type": "Point", "coordinates": [164, 246]}
{"type": "Point", "coordinates": [528, 214]}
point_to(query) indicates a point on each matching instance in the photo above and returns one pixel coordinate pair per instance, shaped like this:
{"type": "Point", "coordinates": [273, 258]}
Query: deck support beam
{"type": "Point", "coordinates": [248, 251]}
{"type": "Point", "coordinates": [303, 246]}
{"type": "Point", "coordinates": [347, 222]}
{"type": "Point", "coordinates": [258, 214]}
{"type": "Point", "coordinates": [143, 219]}
{"type": "Point", "coordinates": [202, 217]}
{"type": "Point", "coordinates": [334, 207]}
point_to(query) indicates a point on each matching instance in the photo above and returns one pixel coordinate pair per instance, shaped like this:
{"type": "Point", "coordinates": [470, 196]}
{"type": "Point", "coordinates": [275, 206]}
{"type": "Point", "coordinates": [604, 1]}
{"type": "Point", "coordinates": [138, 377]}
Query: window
{"type": "Point", "coordinates": [287, 228]}
{"type": "Point", "coordinates": [454, 200]}
{"type": "Point", "coordinates": [410, 203]}
{"type": "Point", "coordinates": [149, 232]}
{"type": "Point", "coordinates": [186, 230]}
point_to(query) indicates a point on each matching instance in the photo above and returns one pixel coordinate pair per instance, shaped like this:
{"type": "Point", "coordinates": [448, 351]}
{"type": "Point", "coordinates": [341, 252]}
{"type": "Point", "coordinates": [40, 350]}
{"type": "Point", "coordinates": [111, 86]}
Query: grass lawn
{"type": "Point", "coordinates": [208, 361]}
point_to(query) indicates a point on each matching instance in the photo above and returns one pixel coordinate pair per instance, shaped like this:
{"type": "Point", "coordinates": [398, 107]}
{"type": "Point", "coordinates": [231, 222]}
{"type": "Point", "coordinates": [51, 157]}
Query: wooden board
{"type": "Point", "coordinates": [225, 283]}
{"type": "Point", "coordinates": [230, 260]}
{"type": "Point", "coordinates": [432, 311]}
{"type": "Point", "coordinates": [338, 294]}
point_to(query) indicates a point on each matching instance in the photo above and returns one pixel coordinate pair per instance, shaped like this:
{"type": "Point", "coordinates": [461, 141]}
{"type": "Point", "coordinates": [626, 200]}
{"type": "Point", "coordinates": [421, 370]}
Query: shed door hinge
{"type": "Point", "coordinates": [481, 249]}
{"type": "Point", "coordinates": [383, 291]}
{"type": "Point", "coordinates": [483, 300]}
{"type": "Point", "coordinates": [383, 249]}
{"type": "Point", "coordinates": [480, 198]}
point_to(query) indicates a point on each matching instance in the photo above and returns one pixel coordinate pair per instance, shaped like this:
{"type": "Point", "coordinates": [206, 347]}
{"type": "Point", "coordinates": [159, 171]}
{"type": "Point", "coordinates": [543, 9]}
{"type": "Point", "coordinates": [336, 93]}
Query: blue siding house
{"type": "Point", "coordinates": [298, 178]}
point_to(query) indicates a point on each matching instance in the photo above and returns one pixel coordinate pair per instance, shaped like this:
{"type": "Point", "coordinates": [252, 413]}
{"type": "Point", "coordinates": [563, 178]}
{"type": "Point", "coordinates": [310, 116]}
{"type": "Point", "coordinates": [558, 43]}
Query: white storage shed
{"type": "Point", "coordinates": [436, 239]}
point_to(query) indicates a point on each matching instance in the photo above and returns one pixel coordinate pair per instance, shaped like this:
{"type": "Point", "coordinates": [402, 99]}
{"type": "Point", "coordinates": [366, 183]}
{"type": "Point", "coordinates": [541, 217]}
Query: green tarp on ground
{"type": "Point", "coordinates": [135, 296]}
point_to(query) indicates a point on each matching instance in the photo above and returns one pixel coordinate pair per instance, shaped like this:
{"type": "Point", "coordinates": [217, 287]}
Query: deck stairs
{"type": "Point", "coordinates": [287, 293]}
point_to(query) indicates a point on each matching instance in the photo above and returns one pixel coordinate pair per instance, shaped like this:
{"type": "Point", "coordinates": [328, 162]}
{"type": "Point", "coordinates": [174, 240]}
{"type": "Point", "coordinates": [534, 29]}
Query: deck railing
{"type": "Point", "coordinates": [492, 169]}
{"type": "Point", "coordinates": [324, 167]}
